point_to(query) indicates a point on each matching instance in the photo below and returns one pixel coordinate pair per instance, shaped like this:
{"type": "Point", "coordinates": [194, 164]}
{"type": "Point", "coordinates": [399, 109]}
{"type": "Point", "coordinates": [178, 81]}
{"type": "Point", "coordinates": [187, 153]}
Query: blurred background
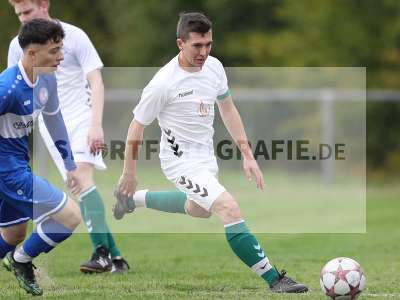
{"type": "Point", "coordinates": [135, 37]}
{"type": "Point", "coordinates": [255, 33]}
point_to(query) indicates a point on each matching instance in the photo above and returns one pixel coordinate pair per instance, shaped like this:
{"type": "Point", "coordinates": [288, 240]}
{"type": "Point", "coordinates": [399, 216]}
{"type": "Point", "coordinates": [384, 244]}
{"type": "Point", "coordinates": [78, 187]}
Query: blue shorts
{"type": "Point", "coordinates": [25, 196]}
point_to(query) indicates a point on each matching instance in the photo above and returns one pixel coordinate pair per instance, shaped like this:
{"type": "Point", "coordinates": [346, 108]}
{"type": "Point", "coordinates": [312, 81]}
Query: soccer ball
{"type": "Point", "coordinates": [342, 279]}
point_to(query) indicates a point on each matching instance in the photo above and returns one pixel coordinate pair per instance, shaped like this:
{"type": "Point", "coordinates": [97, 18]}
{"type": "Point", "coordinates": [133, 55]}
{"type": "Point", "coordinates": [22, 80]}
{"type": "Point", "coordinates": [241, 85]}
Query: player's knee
{"type": "Point", "coordinates": [227, 209]}
{"type": "Point", "coordinates": [72, 216]}
{"type": "Point", "coordinates": [14, 238]}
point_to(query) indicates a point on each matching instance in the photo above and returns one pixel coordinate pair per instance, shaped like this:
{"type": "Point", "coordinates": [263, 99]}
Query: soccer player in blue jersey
{"type": "Point", "coordinates": [26, 90]}
{"type": "Point", "coordinates": [81, 95]}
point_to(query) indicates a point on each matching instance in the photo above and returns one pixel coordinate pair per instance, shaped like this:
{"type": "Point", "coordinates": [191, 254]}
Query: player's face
{"type": "Point", "coordinates": [46, 58]}
{"type": "Point", "coordinates": [28, 10]}
{"type": "Point", "coordinates": [196, 48]}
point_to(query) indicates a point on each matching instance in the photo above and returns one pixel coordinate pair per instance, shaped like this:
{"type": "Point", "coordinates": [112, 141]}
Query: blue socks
{"type": "Point", "coordinates": [47, 235]}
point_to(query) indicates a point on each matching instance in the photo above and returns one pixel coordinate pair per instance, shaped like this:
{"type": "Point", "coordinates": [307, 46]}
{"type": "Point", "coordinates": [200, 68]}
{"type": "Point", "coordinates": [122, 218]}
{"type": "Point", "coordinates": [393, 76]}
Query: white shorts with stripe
{"type": "Point", "coordinates": [196, 177]}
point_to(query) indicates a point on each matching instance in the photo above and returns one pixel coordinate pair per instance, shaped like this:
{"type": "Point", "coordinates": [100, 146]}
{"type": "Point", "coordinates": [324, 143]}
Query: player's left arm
{"type": "Point", "coordinates": [233, 123]}
{"type": "Point", "coordinates": [96, 133]}
{"type": "Point", "coordinates": [54, 122]}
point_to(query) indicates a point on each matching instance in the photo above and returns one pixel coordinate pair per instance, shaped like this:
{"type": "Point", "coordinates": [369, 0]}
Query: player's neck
{"type": "Point", "coordinates": [28, 68]}
{"type": "Point", "coordinates": [185, 65]}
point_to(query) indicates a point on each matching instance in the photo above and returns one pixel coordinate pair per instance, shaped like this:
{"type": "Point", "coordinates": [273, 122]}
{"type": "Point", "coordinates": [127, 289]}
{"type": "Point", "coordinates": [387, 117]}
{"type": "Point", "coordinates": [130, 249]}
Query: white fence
{"type": "Point", "coordinates": [326, 97]}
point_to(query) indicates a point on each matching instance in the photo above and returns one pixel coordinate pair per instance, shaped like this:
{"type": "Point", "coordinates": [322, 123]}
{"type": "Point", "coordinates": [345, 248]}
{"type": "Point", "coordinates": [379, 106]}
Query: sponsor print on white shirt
{"type": "Point", "coordinates": [183, 102]}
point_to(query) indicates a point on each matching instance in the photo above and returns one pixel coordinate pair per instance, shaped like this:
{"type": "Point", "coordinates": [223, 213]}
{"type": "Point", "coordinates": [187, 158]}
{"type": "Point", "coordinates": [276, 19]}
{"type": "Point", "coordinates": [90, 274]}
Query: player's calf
{"type": "Point", "coordinates": [166, 201]}
{"type": "Point", "coordinates": [245, 245]}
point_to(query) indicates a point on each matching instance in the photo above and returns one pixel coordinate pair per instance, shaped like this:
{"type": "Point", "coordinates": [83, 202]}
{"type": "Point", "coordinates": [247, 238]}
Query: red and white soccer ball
{"type": "Point", "coordinates": [342, 279]}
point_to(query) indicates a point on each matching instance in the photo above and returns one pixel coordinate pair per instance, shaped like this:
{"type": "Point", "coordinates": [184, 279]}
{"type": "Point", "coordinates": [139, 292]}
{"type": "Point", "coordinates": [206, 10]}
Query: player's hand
{"type": "Point", "coordinates": [251, 169]}
{"type": "Point", "coordinates": [96, 140]}
{"type": "Point", "coordinates": [127, 185]}
{"type": "Point", "coordinates": [73, 182]}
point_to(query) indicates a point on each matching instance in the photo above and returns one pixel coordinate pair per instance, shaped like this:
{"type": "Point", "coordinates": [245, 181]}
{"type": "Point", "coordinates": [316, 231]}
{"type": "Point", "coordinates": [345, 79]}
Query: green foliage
{"type": "Point", "coordinates": [250, 33]}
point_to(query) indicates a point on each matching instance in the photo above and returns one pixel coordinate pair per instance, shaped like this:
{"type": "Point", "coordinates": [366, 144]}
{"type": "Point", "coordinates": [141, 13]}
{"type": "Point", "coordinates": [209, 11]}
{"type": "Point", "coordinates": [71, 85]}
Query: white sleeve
{"type": "Point", "coordinates": [14, 53]}
{"type": "Point", "coordinates": [151, 103]}
{"type": "Point", "coordinates": [223, 89]}
{"type": "Point", "coordinates": [86, 53]}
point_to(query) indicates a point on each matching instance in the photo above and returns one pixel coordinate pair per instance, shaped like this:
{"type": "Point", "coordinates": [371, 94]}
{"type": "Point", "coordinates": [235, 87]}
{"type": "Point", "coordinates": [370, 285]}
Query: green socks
{"type": "Point", "coordinates": [240, 239]}
{"type": "Point", "coordinates": [167, 201]}
{"type": "Point", "coordinates": [93, 213]}
{"type": "Point", "coordinates": [246, 247]}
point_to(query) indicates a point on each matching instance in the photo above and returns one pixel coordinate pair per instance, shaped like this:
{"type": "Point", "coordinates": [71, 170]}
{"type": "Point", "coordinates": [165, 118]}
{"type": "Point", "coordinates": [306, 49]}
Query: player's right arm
{"type": "Point", "coordinates": [128, 182]}
{"type": "Point", "coordinates": [152, 101]}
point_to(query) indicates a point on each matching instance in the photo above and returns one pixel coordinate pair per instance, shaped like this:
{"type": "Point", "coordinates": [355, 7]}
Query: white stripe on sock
{"type": "Point", "coordinates": [87, 192]}
{"type": "Point", "coordinates": [261, 267]}
{"type": "Point", "coordinates": [140, 198]}
{"type": "Point", "coordinates": [21, 256]}
{"type": "Point", "coordinates": [234, 223]}
{"type": "Point", "coordinates": [44, 237]}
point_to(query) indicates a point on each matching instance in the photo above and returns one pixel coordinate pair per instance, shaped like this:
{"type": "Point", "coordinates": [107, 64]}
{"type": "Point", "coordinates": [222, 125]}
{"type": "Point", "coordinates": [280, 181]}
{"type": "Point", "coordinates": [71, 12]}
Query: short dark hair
{"type": "Point", "coordinates": [192, 22]}
{"type": "Point", "coordinates": [39, 31]}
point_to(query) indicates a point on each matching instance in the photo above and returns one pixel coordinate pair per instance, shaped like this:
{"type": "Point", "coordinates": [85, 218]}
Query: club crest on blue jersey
{"type": "Point", "coordinates": [43, 95]}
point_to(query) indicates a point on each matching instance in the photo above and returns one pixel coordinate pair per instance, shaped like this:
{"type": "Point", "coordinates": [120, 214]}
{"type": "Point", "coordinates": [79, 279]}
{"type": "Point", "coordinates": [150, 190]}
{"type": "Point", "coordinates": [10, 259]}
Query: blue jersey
{"type": "Point", "coordinates": [20, 104]}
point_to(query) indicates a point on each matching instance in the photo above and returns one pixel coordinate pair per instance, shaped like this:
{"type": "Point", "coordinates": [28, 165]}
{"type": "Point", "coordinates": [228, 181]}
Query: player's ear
{"type": "Point", "coordinates": [179, 43]}
{"type": "Point", "coordinates": [31, 53]}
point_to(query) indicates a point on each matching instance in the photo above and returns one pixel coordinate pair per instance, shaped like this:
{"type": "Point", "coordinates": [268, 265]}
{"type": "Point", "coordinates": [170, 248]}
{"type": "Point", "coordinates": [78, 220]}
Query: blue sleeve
{"type": "Point", "coordinates": [56, 127]}
{"type": "Point", "coordinates": [54, 122]}
{"type": "Point", "coordinates": [4, 99]}
{"type": "Point", "coordinates": [53, 104]}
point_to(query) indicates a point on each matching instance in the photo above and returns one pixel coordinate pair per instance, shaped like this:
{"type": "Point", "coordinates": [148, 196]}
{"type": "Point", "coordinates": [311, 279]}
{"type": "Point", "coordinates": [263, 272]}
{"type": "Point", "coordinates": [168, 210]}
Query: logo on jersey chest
{"type": "Point", "coordinates": [184, 94]}
{"type": "Point", "coordinates": [43, 95]}
{"type": "Point", "coordinates": [204, 109]}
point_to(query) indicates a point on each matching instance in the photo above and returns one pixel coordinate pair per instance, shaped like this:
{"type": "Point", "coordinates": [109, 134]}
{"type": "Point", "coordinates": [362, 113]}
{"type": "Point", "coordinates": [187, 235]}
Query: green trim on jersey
{"type": "Point", "coordinates": [223, 96]}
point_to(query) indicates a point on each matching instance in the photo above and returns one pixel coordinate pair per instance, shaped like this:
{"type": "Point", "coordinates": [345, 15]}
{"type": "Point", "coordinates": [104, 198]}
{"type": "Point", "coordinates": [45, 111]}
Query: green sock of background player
{"type": "Point", "coordinates": [93, 213]}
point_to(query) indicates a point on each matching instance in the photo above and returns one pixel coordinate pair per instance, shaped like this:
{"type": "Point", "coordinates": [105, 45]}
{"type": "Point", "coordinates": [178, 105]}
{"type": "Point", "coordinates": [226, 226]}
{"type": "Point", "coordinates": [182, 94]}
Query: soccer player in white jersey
{"type": "Point", "coordinates": [182, 96]}
{"type": "Point", "coordinates": [28, 89]}
{"type": "Point", "coordinates": [82, 108]}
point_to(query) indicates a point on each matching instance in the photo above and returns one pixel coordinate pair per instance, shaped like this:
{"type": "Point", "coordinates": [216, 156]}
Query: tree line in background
{"type": "Point", "coordinates": [254, 33]}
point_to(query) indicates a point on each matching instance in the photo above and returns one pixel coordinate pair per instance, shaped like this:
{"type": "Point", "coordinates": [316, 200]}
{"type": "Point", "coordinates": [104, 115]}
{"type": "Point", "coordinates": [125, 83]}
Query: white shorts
{"type": "Point", "coordinates": [77, 133]}
{"type": "Point", "coordinates": [197, 178]}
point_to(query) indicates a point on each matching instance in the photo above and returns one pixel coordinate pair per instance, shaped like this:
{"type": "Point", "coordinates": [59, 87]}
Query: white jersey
{"type": "Point", "coordinates": [80, 58]}
{"type": "Point", "coordinates": [183, 102]}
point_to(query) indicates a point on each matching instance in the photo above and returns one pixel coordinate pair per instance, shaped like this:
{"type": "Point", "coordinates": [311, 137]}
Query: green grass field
{"type": "Point", "coordinates": [201, 266]}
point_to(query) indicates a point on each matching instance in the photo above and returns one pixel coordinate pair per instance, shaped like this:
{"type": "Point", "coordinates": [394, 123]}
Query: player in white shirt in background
{"type": "Point", "coordinates": [81, 94]}
{"type": "Point", "coordinates": [182, 96]}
